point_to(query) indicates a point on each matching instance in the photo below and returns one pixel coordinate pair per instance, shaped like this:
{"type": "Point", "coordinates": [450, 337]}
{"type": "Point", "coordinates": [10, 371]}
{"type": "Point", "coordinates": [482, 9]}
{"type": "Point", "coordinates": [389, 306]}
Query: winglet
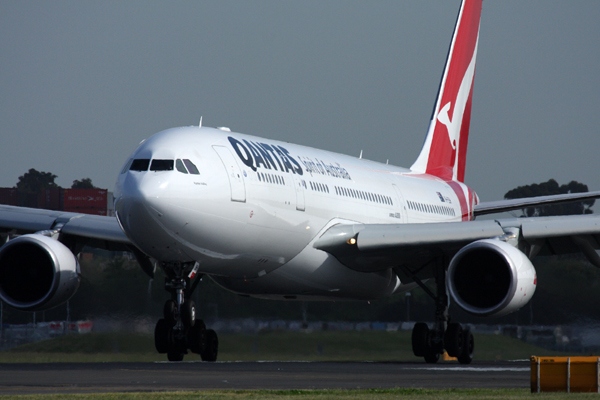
{"type": "Point", "coordinates": [445, 148]}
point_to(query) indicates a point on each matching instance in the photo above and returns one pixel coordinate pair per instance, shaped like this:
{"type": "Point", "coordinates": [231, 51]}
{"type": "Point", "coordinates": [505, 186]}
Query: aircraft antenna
{"type": "Point", "coordinates": [200, 123]}
{"type": "Point", "coordinates": [360, 156]}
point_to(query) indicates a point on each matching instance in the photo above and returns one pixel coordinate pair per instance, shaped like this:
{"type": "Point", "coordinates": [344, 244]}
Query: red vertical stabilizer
{"type": "Point", "coordinates": [445, 149]}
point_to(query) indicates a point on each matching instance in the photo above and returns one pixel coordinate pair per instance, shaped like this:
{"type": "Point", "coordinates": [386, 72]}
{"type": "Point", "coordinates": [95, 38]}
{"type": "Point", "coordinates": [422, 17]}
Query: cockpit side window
{"type": "Point", "coordinates": [191, 167]}
{"type": "Point", "coordinates": [126, 167]}
{"type": "Point", "coordinates": [141, 164]}
{"type": "Point", "coordinates": [180, 167]}
{"type": "Point", "coordinates": [161, 165]}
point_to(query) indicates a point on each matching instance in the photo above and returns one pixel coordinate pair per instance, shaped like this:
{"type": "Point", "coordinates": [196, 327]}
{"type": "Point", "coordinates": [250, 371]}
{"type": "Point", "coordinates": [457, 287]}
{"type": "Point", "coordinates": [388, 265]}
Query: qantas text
{"type": "Point", "coordinates": [261, 155]}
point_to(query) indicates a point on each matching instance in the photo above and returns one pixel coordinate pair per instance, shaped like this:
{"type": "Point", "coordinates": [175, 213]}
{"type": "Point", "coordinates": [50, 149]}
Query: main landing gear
{"type": "Point", "coordinates": [430, 343]}
{"type": "Point", "coordinates": [457, 342]}
{"type": "Point", "coordinates": [179, 330]}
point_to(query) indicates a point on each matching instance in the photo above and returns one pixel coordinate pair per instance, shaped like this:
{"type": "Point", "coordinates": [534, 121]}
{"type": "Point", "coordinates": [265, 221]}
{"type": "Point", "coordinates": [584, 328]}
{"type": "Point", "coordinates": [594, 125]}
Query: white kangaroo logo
{"type": "Point", "coordinates": [444, 119]}
{"type": "Point", "coordinates": [453, 125]}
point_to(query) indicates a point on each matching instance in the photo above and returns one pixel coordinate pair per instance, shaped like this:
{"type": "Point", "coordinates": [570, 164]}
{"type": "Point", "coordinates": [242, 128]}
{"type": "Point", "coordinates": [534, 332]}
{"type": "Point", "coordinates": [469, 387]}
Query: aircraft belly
{"type": "Point", "coordinates": [315, 274]}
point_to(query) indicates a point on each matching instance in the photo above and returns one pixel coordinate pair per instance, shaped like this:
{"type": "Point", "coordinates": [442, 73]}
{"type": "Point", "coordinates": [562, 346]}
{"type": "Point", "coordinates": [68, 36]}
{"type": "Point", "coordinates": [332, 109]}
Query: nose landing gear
{"type": "Point", "coordinates": [179, 330]}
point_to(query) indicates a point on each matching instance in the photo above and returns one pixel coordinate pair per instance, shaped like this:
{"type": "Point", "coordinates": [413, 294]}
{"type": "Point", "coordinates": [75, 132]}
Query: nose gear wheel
{"type": "Point", "coordinates": [179, 330]}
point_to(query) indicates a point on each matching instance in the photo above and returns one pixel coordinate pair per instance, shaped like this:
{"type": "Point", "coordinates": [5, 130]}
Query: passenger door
{"type": "Point", "coordinates": [234, 173]}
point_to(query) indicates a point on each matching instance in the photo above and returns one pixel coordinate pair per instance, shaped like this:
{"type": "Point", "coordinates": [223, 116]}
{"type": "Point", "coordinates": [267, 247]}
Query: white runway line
{"type": "Point", "coordinates": [474, 369]}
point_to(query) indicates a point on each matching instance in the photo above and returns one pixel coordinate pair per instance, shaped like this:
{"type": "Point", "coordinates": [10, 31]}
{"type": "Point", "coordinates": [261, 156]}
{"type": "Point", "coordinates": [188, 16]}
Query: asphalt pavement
{"type": "Point", "coordinates": [168, 376]}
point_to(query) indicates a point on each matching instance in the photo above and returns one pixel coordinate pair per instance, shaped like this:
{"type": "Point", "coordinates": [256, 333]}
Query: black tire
{"type": "Point", "coordinates": [466, 356]}
{"type": "Point", "coordinates": [161, 336]}
{"type": "Point", "coordinates": [188, 313]}
{"type": "Point", "coordinates": [211, 348]}
{"type": "Point", "coordinates": [175, 356]}
{"type": "Point", "coordinates": [420, 336]}
{"type": "Point", "coordinates": [431, 356]}
{"type": "Point", "coordinates": [453, 339]}
{"type": "Point", "coordinates": [197, 337]}
{"type": "Point", "coordinates": [170, 312]}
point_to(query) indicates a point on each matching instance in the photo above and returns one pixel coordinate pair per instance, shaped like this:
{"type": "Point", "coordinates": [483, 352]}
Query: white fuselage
{"type": "Point", "coordinates": [250, 214]}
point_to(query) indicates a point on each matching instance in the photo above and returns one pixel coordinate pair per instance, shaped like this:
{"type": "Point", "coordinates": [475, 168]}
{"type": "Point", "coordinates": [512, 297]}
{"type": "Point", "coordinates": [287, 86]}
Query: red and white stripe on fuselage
{"type": "Point", "coordinates": [466, 197]}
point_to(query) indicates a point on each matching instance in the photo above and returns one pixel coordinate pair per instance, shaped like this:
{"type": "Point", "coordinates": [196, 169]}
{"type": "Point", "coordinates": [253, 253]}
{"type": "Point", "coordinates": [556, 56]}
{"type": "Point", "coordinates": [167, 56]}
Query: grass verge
{"type": "Point", "coordinates": [282, 346]}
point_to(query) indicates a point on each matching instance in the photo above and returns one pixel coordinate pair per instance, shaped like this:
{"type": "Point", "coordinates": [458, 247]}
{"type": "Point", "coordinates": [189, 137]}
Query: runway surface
{"type": "Point", "coordinates": [127, 377]}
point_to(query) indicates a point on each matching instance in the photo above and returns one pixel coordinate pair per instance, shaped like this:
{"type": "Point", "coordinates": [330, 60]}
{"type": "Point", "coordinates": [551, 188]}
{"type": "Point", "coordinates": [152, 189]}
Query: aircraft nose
{"type": "Point", "coordinates": [142, 189]}
{"type": "Point", "coordinates": [142, 202]}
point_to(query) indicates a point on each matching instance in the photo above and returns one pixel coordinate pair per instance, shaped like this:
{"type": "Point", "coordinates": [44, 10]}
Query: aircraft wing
{"type": "Point", "coordinates": [493, 207]}
{"type": "Point", "coordinates": [376, 247]}
{"type": "Point", "coordinates": [90, 230]}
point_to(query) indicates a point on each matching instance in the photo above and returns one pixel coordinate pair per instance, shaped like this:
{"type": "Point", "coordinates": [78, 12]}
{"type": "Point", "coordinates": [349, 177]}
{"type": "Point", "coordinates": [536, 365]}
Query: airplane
{"type": "Point", "coordinates": [275, 220]}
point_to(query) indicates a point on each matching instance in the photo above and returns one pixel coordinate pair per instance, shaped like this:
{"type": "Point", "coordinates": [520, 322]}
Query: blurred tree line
{"type": "Point", "coordinates": [31, 184]}
{"type": "Point", "coordinates": [551, 188]}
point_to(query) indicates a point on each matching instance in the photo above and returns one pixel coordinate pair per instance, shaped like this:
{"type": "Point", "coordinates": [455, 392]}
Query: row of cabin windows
{"type": "Point", "coordinates": [319, 187]}
{"type": "Point", "coordinates": [271, 178]}
{"type": "Point", "coordinates": [141, 164]}
{"type": "Point", "coordinates": [432, 209]}
{"type": "Point", "coordinates": [359, 194]}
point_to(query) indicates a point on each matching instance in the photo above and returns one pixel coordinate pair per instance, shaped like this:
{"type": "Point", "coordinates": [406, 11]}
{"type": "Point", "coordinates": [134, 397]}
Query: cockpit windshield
{"type": "Point", "coordinates": [127, 165]}
{"type": "Point", "coordinates": [184, 166]}
{"type": "Point", "coordinates": [180, 167]}
{"type": "Point", "coordinates": [191, 167]}
{"type": "Point", "coordinates": [161, 165]}
{"type": "Point", "coordinates": [140, 164]}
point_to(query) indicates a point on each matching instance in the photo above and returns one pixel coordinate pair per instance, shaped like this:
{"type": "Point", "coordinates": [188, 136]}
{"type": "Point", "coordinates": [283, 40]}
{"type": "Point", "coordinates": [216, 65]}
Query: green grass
{"type": "Point", "coordinates": [366, 394]}
{"type": "Point", "coordinates": [283, 346]}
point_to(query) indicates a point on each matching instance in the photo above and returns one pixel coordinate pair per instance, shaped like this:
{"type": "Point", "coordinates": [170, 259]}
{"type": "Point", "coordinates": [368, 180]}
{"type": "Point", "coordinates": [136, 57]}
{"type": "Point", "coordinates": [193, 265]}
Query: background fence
{"type": "Point", "coordinates": [575, 338]}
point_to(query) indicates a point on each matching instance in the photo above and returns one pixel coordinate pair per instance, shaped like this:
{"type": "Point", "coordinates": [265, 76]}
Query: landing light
{"type": "Point", "coordinates": [351, 241]}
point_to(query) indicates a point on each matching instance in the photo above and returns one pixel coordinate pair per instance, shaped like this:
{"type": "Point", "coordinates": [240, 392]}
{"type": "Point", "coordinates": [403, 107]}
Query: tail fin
{"type": "Point", "coordinates": [445, 149]}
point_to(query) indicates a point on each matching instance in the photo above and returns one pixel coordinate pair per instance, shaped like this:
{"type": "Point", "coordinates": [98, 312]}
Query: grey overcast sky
{"type": "Point", "coordinates": [83, 82]}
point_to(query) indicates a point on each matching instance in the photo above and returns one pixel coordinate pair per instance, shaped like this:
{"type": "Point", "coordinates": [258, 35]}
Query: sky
{"type": "Point", "coordinates": [83, 82]}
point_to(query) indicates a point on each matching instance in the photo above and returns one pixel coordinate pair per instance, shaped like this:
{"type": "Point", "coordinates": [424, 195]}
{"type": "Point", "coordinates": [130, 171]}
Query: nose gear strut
{"type": "Point", "coordinates": [179, 330]}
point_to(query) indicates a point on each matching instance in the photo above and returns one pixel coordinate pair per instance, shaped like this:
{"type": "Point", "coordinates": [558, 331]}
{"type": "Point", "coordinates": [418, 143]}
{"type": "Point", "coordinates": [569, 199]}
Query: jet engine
{"type": "Point", "coordinates": [37, 273]}
{"type": "Point", "coordinates": [491, 278]}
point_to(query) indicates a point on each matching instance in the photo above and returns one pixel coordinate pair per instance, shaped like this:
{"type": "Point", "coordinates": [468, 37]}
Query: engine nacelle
{"type": "Point", "coordinates": [491, 278]}
{"type": "Point", "coordinates": [37, 273]}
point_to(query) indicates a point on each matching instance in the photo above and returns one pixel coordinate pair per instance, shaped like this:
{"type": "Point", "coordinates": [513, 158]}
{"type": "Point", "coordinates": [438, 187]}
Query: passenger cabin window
{"type": "Point", "coordinates": [161, 165]}
{"type": "Point", "coordinates": [140, 164]}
